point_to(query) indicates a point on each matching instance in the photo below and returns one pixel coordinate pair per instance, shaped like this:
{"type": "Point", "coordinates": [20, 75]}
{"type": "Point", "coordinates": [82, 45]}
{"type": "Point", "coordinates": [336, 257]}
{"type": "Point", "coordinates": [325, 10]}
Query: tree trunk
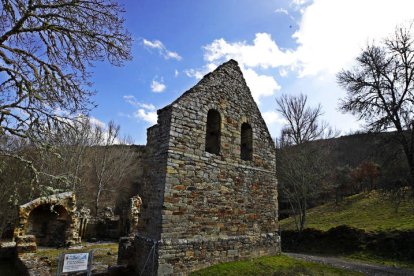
{"type": "Point", "coordinates": [97, 199]}
{"type": "Point", "coordinates": [101, 183]}
{"type": "Point", "coordinates": [411, 164]}
{"type": "Point", "coordinates": [303, 215]}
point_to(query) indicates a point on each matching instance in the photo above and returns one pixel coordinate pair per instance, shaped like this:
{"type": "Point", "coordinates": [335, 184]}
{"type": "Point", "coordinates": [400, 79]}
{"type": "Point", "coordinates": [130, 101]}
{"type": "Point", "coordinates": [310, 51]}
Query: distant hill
{"type": "Point", "coordinates": [353, 150]}
{"type": "Point", "coordinates": [356, 148]}
{"type": "Point", "coordinates": [368, 211]}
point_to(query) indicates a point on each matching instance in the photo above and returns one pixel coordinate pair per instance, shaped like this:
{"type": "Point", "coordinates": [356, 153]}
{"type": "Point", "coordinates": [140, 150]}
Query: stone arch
{"type": "Point", "coordinates": [246, 142]}
{"type": "Point", "coordinates": [49, 224]}
{"type": "Point", "coordinates": [57, 212]}
{"type": "Point", "coordinates": [213, 132]}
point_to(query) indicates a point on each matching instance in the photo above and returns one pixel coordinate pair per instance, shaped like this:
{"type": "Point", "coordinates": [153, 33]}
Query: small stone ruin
{"type": "Point", "coordinates": [47, 221]}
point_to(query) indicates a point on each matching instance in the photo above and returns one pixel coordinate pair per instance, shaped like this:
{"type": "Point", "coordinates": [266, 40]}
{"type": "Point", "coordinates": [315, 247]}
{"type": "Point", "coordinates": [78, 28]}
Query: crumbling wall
{"type": "Point", "coordinates": [152, 188]}
{"type": "Point", "coordinates": [151, 192]}
{"type": "Point", "coordinates": [134, 211]}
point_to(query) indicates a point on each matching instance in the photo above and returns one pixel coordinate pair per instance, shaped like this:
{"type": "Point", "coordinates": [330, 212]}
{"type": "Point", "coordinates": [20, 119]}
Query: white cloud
{"type": "Point", "coordinates": [132, 101]}
{"type": "Point", "coordinates": [299, 3]}
{"type": "Point", "coordinates": [145, 112]}
{"type": "Point", "coordinates": [173, 55]}
{"type": "Point", "coordinates": [97, 122]}
{"type": "Point", "coordinates": [194, 73]}
{"type": "Point", "coordinates": [283, 72]}
{"type": "Point", "coordinates": [333, 32]}
{"type": "Point", "coordinates": [272, 117]}
{"type": "Point", "coordinates": [284, 12]}
{"type": "Point", "coordinates": [148, 116]}
{"type": "Point", "coordinates": [281, 10]}
{"type": "Point", "coordinates": [176, 73]}
{"type": "Point", "coordinates": [156, 44]}
{"type": "Point", "coordinates": [263, 53]}
{"type": "Point", "coordinates": [157, 86]}
{"type": "Point", "coordinates": [82, 118]}
{"type": "Point", "coordinates": [260, 85]}
{"type": "Point", "coordinates": [153, 44]}
{"type": "Point", "coordinates": [330, 36]}
{"type": "Point", "coordinates": [98, 131]}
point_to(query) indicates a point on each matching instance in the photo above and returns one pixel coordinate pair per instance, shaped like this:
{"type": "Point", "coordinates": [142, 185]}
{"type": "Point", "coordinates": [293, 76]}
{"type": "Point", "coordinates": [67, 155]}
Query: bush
{"type": "Point", "coordinates": [396, 244]}
{"type": "Point", "coordinates": [346, 240]}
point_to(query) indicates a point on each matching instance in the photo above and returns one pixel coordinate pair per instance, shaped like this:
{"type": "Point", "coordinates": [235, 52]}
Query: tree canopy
{"type": "Point", "coordinates": [304, 123]}
{"type": "Point", "coordinates": [46, 50]}
{"type": "Point", "coordinates": [380, 89]}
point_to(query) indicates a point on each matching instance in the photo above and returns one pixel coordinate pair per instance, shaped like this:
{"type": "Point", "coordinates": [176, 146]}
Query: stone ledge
{"type": "Point", "coordinates": [250, 238]}
{"type": "Point", "coordinates": [219, 161]}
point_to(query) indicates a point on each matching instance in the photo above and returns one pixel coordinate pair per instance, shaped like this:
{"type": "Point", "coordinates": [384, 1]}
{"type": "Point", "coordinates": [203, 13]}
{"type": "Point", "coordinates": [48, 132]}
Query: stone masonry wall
{"type": "Point", "coordinates": [152, 191]}
{"type": "Point", "coordinates": [217, 207]}
{"type": "Point", "coordinates": [153, 186]}
{"type": "Point", "coordinates": [199, 208]}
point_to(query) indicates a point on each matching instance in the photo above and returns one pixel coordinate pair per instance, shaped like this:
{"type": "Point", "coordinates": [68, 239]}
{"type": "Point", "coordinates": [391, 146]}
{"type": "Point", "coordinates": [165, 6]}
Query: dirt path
{"type": "Point", "coordinates": [367, 269]}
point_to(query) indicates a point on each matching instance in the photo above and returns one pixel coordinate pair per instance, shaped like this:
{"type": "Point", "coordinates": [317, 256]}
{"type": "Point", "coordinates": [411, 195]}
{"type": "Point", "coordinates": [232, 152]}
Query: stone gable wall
{"type": "Point", "coordinates": [217, 207]}
{"type": "Point", "coordinates": [200, 208]}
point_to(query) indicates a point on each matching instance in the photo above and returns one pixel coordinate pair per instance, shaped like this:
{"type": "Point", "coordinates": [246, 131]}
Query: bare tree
{"type": "Point", "coordinates": [302, 172]}
{"type": "Point", "coordinates": [303, 122]}
{"type": "Point", "coordinates": [15, 178]}
{"type": "Point", "coordinates": [301, 166]}
{"type": "Point", "coordinates": [111, 161]}
{"type": "Point", "coordinates": [90, 159]}
{"type": "Point", "coordinates": [380, 89]}
{"type": "Point", "coordinates": [66, 161]}
{"type": "Point", "coordinates": [86, 158]}
{"type": "Point", "coordinates": [46, 48]}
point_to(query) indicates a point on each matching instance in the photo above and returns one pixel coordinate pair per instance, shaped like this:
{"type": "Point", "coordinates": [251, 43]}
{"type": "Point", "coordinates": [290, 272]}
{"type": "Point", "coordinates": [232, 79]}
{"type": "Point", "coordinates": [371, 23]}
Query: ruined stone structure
{"type": "Point", "coordinates": [209, 188]}
{"type": "Point", "coordinates": [133, 214]}
{"type": "Point", "coordinates": [48, 221]}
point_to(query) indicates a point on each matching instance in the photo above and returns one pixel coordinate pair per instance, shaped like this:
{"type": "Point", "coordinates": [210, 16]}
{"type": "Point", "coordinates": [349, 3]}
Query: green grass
{"type": "Point", "coordinates": [368, 257]}
{"type": "Point", "coordinates": [367, 211]}
{"type": "Point", "coordinates": [274, 265]}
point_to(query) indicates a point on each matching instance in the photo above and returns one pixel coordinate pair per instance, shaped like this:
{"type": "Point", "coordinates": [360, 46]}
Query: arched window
{"type": "Point", "coordinates": [246, 145]}
{"type": "Point", "coordinates": [213, 132]}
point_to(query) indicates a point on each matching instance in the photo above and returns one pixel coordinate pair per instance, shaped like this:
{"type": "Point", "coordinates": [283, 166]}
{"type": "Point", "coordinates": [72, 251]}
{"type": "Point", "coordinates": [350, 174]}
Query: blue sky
{"type": "Point", "coordinates": [282, 46]}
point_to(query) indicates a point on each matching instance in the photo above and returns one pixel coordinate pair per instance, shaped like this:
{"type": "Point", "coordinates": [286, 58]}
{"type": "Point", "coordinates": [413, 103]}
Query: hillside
{"type": "Point", "coordinates": [349, 153]}
{"type": "Point", "coordinates": [367, 211]}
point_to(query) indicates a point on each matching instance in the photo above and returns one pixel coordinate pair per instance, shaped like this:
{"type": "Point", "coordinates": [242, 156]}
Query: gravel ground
{"type": "Point", "coordinates": [367, 269]}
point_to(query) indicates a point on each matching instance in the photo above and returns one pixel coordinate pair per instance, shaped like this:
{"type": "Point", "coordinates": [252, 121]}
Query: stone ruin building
{"type": "Point", "coordinates": [47, 221]}
{"type": "Point", "coordinates": [208, 186]}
